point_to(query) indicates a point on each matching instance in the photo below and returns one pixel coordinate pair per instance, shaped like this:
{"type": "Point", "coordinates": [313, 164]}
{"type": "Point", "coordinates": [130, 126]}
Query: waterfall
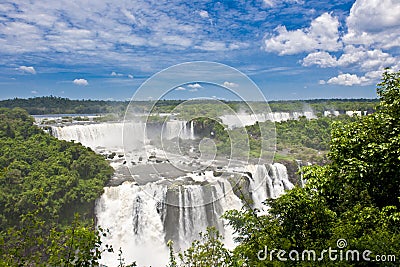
{"type": "Point", "coordinates": [267, 183]}
{"type": "Point", "coordinates": [192, 130]}
{"type": "Point", "coordinates": [133, 216]}
{"type": "Point", "coordinates": [93, 135]}
{"type": "Point", "coordinates": [173, 129]}
{"type": "Point", "coordinates": [243, 119]}
{"type": "Point", "coordinates": [111, 135]}
{"type": "Point", "coordinates": [142, 219]}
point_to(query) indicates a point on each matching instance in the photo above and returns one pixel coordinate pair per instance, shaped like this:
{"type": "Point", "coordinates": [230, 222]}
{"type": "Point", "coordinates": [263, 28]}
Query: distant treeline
{"type": "Point", "coordinates": [321, 105]}
{"type": "Point", "coordinates": [58, 105]}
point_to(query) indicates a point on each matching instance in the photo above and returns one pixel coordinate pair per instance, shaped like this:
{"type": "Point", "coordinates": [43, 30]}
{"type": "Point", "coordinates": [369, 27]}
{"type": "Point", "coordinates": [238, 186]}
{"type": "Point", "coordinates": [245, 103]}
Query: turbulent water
{"type": "Point", "coordinates": [244, 119]}
{"type": "Point", "coordinates": [169, 204]}
{"type": "Point", "coordinates": [110, 135]}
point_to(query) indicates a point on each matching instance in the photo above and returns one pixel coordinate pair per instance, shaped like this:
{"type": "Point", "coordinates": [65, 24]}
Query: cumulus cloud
{"type": "Point", "coordinates": [26, 69]}
{"type": "Point", "coordinates": [82, 82]}
{"type": "Point", "coordinates": [230, 84]}
{"type": "Point", "coordinates": [348, 79]}
{"type": "Point", "coordinates": [323, 34]}
{"type": "Point", "coordinates": [366, 59]}
{"type": "Point", "coordinates": [374, 21]}
{"type": "Point", "coordinates": [194, 90]}
{"type": "Point", "coordinates": [180, 88]}
{"type": "Point", "coordinates": [195, 86]}
{"type": "Point", "coordinates": [322, 59]}
{"type": "Point", "coordinates": [34, 92]}
{"type": "Point", "coordinates": [369, 43]}
{"type": "Point", "coordinates": [363, 59]}
{"type": "Point", "coordinates": [203, 14]}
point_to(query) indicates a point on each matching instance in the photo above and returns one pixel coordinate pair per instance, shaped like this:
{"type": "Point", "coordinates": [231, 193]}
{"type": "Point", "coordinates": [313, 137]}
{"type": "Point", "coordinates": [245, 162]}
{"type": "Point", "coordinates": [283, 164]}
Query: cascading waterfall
{"type": "Point", "coordinates": [94, 135]}
{"type": "Point", "coordinates": [244, 119]}
{"type": "Point", "coordinates": [266, 184]}
{"type": "Point", "coordinates": [110, 135]}
{"type": "Point", "coordinates": [142, 218]}
{"type": "Point", "coordinates": [141, 222]}
{"type": "Point", "coordinates": [192, 137]}
{"type": "Point", "coordinates": [133, 216]}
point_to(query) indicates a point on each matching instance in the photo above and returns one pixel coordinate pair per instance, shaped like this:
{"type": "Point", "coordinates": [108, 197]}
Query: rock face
{"type": "Point", "coordinates": [292, 168]}
{"type": "Point", "coordinates": [154, 197]}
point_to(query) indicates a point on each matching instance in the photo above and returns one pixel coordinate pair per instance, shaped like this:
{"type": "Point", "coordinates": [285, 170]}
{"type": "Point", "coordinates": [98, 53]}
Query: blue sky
{"type": "Point", "coordinates": [103, 49]}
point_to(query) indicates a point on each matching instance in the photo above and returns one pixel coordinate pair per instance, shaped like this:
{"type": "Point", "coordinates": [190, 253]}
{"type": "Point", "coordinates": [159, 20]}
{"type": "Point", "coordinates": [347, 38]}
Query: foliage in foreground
{"type": "Point", "coordinates": [43, 182]}
{"type": "Point", "coordinates": [355, 199]}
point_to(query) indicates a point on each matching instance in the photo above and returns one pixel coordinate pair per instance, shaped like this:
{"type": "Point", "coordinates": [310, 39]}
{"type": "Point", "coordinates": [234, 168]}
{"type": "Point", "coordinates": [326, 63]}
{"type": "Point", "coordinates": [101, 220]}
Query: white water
{"type": "Point", "coordinates": [142, 218]}
{"type": "Point", "coordinates": [172, 129]}
{"type": "Point", "coordinates": [110, 135]}
{"type": "Point", "coordinates": [137, 217]}
{"type": "Point", "coordinates": [265, 185]}
{"type": "Point", "coordinates": [130, 213]}
{"type": "Point", "coordinates": [244, 119]}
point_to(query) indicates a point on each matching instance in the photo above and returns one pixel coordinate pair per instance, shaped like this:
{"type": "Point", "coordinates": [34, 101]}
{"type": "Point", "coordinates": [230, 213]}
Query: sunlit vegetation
{"type": "Point", "coordinates": [43, 183]}
{"type": "Point", "coordinates": [354, 195]}
{"type": "Point", "coordinates": [58, 105]}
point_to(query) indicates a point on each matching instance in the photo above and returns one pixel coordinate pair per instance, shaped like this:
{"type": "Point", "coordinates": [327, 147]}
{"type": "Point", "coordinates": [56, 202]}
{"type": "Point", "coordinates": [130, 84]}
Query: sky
{"type": "Point", "coordinates": [103, 49]}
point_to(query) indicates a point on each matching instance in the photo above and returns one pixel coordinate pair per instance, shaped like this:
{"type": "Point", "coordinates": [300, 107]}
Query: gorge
{"type": "Point", "coordinates": [153, 198]}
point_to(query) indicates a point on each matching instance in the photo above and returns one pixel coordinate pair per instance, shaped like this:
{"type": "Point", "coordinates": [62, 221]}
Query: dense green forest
{"type": "Point", "coordinates": [307, 140]}
{"type": "Point", "coordinates": [58, 105]}
{"type": "Point", "coordinates": [43, 183]}
{"type": "Point", "coordinates": [347, 213]}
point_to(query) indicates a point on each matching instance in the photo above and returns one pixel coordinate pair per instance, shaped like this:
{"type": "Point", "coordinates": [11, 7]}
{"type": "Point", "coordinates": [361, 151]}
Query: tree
{"type": "Point", "coordinates": [208, 251]}
{"type": "Point", "coordinates": [356, 196]}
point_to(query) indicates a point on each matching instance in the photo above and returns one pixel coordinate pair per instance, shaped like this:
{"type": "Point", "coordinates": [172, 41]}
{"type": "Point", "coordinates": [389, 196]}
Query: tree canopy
{"type": "Point", "coordinates": [354, 199]}
{"type": "Point", "coordinates": [43, 182]}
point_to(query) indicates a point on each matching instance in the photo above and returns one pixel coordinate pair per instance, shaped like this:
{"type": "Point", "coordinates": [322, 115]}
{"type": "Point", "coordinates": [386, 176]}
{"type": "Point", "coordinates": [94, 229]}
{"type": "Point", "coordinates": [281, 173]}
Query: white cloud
{"type": "Point", "coordinates": [383, 14]}
{"type": "Point", "coordinates": [130, 76]}
{"type": "Point", "coordinates": [195, 86]}
{"type": "Point", "coordinates": [80, 82]}
{"type": "Point", "coordinates": [176, 40]}
{"type": "Point", "coordinates": [323, 34]}
{"type": "Point", "coordinates": [367, 45]}
{"type": "Point", "coordinates": [230, 84]}
{"type": "Point", "coordinates": [374, 23]}
{"type": "Point", "coordinates": [212, 46]}
{"type": "Point", "coordinates": [203, 14]}
{"type": "Point", "coordinates": [322, 59]}
{"type": "Point", "coordinates": [366, 60]}
{"type": "Point", "coordinates": [180, 88]}
{"type": "Point", "coordinates": [272, 3]}
{"type": "Point", "coordinates": [116, 74]}
{"type": "Point", "coordinates": [34, 92]}
{"type": "Point", "coordinates": [359, 57]}
{"type": "Point", "coordinates": [193, 90]}
{"type": "Point", "coordinates": [353, 79]}
{"type": "Point", "coordinates": [346, 79]}
{"type": "Point", "coordinates": [26, 69]}
{"type": "Point", "coordinates": [321, 82]}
